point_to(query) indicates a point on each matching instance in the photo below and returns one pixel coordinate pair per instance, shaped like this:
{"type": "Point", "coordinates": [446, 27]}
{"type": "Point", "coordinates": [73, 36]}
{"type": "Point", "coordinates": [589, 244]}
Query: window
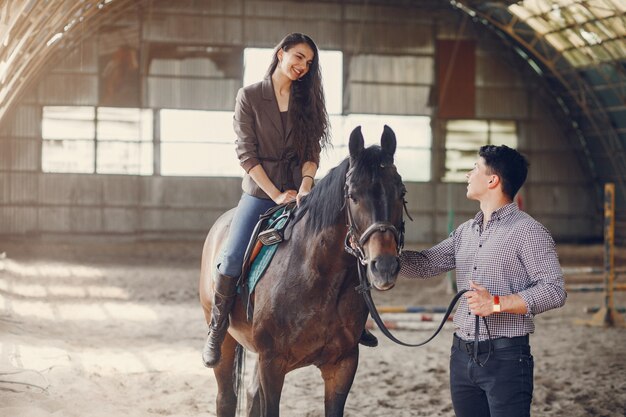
{"type": "Point", "coordinates": [198, 143]}
{"type": "Point", "coordinates": [68, 139]}
{"type": "Point", "coordinates": [103, 140]}
{"type": "Point", "coordinates": [115, 140]}
{"type": "Point", "coordinates": [413, 136]}
{"type": "Point", "coordinates": [124, 141]}
{"type": "Point", "coordinates": [465, 137]}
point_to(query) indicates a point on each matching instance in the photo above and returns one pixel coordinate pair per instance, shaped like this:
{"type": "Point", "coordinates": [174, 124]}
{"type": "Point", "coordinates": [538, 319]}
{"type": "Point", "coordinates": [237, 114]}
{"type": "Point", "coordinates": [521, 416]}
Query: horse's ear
{"type": "Point", "coordinates": [388, 141]}
{"type": "Point", "coordinates": [356, 142]}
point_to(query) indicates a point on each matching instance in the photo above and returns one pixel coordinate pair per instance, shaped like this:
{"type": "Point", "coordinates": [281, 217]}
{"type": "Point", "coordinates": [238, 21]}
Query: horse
{"type": "Point", "coordinates": [305, 308]}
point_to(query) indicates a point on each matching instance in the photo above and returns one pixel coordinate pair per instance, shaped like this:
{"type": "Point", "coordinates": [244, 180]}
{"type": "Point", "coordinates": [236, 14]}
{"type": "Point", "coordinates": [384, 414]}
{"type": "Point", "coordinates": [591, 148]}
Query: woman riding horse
{"type": "Point", "coordinates": [281, 125]}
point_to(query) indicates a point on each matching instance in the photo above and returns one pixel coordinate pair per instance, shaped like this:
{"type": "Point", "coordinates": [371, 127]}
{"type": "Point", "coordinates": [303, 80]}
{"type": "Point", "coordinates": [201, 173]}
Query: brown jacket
{"type": "Point", "coordinates": [261, 139]}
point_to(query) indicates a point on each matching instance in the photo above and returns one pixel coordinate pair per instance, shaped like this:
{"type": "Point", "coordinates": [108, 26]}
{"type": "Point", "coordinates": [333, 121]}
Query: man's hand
{"type": "Point", "coordinates": [479, 300]}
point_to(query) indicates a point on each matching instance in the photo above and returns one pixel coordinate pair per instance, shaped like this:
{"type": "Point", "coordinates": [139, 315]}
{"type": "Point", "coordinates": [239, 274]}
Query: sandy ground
{"type": "Point", "coordinates": [96, 329]}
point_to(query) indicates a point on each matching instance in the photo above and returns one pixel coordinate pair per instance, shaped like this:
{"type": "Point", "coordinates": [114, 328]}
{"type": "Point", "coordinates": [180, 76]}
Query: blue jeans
{"type": "Point", "coordinates": [241, 227]}
{"type": "Point", "coordinates": [502, 388]}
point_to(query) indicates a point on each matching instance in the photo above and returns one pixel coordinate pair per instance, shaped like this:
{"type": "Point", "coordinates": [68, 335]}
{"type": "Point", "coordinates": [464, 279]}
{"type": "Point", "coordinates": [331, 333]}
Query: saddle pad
{"type": "Point", "coordinates": [263, 259]}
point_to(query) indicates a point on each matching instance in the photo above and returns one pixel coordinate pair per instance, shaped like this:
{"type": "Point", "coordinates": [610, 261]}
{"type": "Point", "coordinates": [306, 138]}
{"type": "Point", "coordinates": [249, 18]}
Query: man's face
{"type": "Point", "coordinates": [478, 180]}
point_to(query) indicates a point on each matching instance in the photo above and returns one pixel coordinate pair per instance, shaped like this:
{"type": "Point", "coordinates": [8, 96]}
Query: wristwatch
{"type": "Point", "coordinates": [496, 304]}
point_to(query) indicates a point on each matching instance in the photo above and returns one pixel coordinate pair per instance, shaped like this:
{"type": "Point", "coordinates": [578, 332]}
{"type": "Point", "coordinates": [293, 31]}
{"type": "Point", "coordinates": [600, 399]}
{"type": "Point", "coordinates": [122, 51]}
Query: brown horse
{"type": "Point", "coordinates": [306, 309]}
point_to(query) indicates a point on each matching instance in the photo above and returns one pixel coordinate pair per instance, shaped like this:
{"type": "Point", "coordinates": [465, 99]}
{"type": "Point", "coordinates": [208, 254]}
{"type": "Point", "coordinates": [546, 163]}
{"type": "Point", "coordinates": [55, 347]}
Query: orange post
{"type": "Point", "coordinates": [608, 316]}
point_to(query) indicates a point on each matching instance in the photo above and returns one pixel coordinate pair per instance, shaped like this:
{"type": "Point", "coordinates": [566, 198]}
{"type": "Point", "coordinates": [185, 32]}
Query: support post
{"type": "Point", "coordinates": [608, 316]}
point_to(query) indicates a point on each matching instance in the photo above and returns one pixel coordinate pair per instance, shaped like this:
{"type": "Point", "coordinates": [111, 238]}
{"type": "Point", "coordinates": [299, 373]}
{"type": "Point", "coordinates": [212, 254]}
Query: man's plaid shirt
{"type": "Point", "coordinates": [511, 254]}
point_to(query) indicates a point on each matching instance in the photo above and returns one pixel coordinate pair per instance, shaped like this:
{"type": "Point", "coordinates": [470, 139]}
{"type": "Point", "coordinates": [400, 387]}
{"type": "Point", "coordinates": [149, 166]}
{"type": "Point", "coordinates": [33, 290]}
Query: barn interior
{"type": "Point", "coordinates": [117, 156]}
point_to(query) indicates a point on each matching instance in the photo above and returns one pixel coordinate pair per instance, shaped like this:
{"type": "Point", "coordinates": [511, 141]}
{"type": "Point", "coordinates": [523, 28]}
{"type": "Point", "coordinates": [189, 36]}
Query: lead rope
{"type": "Point", "coordinates": [475, 353]}
{"type": "Point", "coordinates": [364, 289]}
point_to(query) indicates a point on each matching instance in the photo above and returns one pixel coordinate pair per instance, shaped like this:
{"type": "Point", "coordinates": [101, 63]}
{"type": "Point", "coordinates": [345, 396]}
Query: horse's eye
{"type": "Point", "coordinates": [352, 197]}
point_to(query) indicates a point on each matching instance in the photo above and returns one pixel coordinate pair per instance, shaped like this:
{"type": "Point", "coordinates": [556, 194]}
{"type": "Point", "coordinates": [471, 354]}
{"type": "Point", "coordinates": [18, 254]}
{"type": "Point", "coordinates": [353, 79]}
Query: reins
{"type": "Point", "coordinates": [364, 289]}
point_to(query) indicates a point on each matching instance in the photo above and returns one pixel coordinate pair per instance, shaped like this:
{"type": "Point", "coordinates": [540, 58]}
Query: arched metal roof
{"type": "Point", "coordinates": [579, 48]}
{"type": "Point", "coordinates": [31, 31]}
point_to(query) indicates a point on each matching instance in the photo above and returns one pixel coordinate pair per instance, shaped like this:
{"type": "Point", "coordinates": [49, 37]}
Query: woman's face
{"type": "Point", "coordinates": [295, 62]}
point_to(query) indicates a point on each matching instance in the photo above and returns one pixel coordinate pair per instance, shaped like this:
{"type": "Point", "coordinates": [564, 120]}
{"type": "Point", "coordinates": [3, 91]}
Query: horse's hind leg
{"type": "Point", "coordinates": [338, 378]}
{"type": "Point", "coordinates": [226, 395]}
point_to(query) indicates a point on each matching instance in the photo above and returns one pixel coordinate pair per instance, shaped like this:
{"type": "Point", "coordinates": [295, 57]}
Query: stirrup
{"type": "Point", "coordinates": [270, 237]}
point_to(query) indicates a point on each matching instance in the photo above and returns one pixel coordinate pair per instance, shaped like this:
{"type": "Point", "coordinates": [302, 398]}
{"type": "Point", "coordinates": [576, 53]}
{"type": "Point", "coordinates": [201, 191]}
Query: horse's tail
{"type": "Point", "coordinates": [238, 371]}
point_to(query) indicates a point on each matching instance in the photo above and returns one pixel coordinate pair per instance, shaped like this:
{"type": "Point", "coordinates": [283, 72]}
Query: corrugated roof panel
{"type": "Point", "coordinates": [26, 122]}
{"type": "Point", "coordinates": [389, 99]}
{"type": "Point", "coordinates": [228, 7]}
{"type": "Point", "coordinates": [69, 89]}
{"type": "Point", "coordinates": [392, 69]}
{"type": "Point", "coordinates": [180, 93]}
{"type": "Point", "coordinates": [492, 70]}
{"type": "Point", "coordinates": [119, 220]}
{"type": "Point", "coordinates": [266, 33]}
{"type": "Point", "coordinates": [4, 186]}
{"type": "Point", "coordinates": [18, 220]}
{"type": "Point", "coordinates": [82, 59]}
{"type": "Point", "coordinates": [25, 154]}
{"type": "Point", "coordinates": [193, 29]}
{"type": "Point", "coordinates": [383, 13]}
{"type": "Point", "coordinates": [86, 219]}
{"type": "Point", "coordinates": [24, 188]}
{"type": "Point", "coordinates": [225, 63]}
{"type": "Point", "coordinates": [399, 38]}
{"type": "Point", "coordinates": [5, 154]}
{"type": "Point", "coordinates": [54, 219]}
{"type": "Point", "coordinates": [71, 189]}
{"type": "Point", "coordinates": [121, 190]}
{"type": "Point", "coordinates": [558, 166]}
{"type": "Point", "coordinates": [501, 103]}
{"type": "Point", "coordinates": [293, 10]}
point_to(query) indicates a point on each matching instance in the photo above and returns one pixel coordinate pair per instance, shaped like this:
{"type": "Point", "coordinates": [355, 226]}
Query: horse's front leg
{"type": "Point", "coordinates": [254, 393]}
{"type": "Point", "coordinates": [226, 404]}
{"type": "Point", "coordinates": [272, 377]}
{"type": "Point", "coordinates": [338, 378]}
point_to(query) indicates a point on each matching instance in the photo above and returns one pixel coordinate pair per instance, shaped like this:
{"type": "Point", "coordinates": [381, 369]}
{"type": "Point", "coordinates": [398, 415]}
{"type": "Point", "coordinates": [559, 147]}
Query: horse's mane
{"type": "Point", "coordinates": [326, 200]}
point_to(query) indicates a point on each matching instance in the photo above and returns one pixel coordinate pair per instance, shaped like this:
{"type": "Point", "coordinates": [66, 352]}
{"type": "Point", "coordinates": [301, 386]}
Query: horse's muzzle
{"type": "Point", "coordinates": [382, 272]}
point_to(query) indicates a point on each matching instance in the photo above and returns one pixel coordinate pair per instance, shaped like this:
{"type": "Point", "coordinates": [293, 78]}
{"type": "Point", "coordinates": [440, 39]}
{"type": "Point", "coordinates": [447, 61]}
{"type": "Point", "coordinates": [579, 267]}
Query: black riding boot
{"type": "Point", "coordinates": [223, 300]}
{"type": "Point", "coordinates": [368, 339]}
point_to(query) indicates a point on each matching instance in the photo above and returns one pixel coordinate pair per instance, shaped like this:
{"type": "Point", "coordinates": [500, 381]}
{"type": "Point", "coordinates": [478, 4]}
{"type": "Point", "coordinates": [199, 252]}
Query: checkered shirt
{"type": "Point", "coordinates": [511, 254]}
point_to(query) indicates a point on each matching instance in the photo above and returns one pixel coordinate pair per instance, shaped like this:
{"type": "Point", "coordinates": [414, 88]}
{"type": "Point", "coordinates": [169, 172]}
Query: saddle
{"type": "Point", "coordinates": [267, 234]}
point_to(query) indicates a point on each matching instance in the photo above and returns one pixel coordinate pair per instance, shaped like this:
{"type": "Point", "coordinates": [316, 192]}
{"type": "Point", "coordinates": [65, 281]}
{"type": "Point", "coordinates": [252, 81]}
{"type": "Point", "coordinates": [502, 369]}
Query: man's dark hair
{"type": "Point", "coordinates": [508, 164]}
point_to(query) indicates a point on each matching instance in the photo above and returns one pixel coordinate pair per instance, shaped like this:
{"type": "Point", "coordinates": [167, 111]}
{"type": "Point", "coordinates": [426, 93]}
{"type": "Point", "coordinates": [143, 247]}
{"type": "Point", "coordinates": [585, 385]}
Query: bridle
{"type": "Point", "coordinates": [354, 243]}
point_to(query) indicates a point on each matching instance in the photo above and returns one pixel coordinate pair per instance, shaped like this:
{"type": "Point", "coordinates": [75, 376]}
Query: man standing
{"type": "Point", "coordinates": [508, 262]}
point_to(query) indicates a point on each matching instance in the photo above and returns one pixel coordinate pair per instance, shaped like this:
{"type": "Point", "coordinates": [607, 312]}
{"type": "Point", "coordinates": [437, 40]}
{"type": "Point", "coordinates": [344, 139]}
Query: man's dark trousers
{"type": "Point", "coordinates": [502, 388]}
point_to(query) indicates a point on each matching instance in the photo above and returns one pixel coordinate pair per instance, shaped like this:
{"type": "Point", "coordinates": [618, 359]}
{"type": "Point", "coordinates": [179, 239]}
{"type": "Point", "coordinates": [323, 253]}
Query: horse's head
{"type": "Point", "coordinates": [374, 202]}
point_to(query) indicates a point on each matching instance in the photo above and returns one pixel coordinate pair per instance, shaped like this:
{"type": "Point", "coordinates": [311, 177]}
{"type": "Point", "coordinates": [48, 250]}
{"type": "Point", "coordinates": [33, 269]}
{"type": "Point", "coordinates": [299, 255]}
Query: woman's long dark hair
{"type": "Point", "coordinates": [307, 104]}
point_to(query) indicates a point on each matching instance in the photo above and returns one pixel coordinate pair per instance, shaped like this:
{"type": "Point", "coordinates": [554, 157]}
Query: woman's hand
{"type": "Point", "coordinates": [301, 195]}
{"type": "Point", "coordinates": [305, 186]}
{"type": "Point", "coordinates": [285, 197]}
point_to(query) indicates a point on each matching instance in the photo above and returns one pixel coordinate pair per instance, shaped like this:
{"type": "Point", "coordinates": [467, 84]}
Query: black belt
{"type": "Point", "coordinates": [483, 347]}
